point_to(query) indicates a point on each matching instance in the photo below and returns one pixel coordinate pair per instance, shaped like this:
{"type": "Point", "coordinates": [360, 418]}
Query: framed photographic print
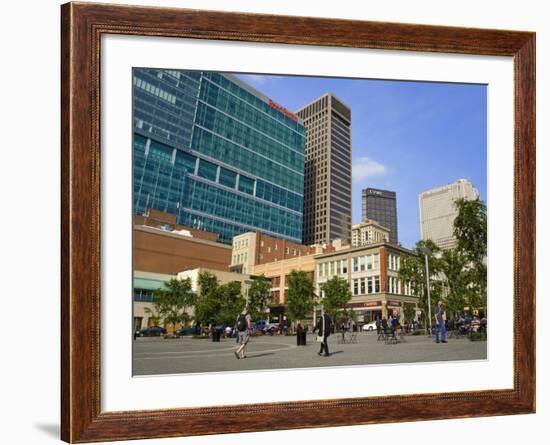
{"type": "Point", "coordinates": [285, 222]}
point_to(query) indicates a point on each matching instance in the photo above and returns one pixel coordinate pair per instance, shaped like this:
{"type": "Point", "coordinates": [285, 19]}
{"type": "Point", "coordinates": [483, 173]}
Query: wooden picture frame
{"type": "Point", "coordinates": [82, 26]}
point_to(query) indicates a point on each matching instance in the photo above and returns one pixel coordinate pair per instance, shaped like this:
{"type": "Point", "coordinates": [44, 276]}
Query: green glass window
{"type": "Point", "coordinates": [227, 177]}
{"type": "Point", "coordinates": [246, 185]}
{"type": "Point", "coordinates": [186, 160]}
{"type": "Point", "coordinates": [207, 170]}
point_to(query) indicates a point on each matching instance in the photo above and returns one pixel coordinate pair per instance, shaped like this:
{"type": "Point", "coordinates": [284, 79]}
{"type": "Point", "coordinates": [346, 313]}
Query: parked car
{"type": "Point", "coordinates": [260, 325]}
{"type": "Point", "coordinates": [188, 330]}
{"type": "Point", "coordinates": [369, 326]}
{"type": "Point", "coordinates": [271, 328]}
{"type": "Point", "coordinates": [152, 331]}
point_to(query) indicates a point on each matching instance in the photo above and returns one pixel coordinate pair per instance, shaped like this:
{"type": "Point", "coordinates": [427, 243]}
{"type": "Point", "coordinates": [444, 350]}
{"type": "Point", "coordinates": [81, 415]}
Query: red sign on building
{"type": "Point", "coordinates": [283, 110]}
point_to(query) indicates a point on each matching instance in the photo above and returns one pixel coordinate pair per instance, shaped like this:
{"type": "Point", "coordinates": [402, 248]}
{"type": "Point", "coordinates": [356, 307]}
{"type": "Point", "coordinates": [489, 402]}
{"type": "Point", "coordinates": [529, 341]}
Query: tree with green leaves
{"type": "Point", "coordinates": [409, 311]}
{"type": "Point", "coordinates": [336, 293]}
{"type": "Point", "coordinates": [171, 302]}
{"type": "Point", "coordinates": [231, 303]}
{"type": "Point", "coordinates": [413, 271]}
{"type": "Point", "coordinates": [218, 304]}
{"type": "Point", "coordinates": [455, 280]}
{"type": "Point", "coordinates": [259, 297]}
{"type": "Point", "coordinates": [206, 306]}
{"type": "Point", "coordinates": [470, 230]}
{"type": "Point", "coordinates": [299, 296]}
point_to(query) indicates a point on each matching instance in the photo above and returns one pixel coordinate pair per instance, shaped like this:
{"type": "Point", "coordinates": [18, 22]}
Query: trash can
{"type": "Point", "coordinates": [301, 338]}
{"type": "Point", "coordinates": [216, 334]}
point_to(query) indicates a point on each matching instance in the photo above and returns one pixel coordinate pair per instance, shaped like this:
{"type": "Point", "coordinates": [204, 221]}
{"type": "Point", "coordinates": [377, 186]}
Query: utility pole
{"type": "Point", "coordinates": [428, 288]}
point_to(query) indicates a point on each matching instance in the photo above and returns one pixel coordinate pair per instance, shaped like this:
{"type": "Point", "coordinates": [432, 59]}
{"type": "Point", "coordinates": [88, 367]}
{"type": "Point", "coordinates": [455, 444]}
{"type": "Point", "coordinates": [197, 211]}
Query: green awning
{"type": "Point", "coordinates": [144, 283]}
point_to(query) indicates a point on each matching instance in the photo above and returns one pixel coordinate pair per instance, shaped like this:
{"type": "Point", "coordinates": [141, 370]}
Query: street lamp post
{"type": "Point", "coordinates": [428, 288]}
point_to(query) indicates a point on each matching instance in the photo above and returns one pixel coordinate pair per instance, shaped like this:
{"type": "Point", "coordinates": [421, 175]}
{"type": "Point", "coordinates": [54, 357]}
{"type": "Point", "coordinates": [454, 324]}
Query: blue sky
{"type": "Point", "coordinates": [407, 137]}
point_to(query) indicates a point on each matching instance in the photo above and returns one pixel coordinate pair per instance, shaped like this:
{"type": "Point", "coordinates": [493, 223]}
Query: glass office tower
{"type": "Point", "coordinates": [216, 153]}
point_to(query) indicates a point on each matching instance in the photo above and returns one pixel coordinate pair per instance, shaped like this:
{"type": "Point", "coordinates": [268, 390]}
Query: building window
{"type": "Point", "coordinates": [207, 170]}
{"type": "Point", "coordinates": [227, 178]}
{"type": "Point", "coordinates": [246, 185]}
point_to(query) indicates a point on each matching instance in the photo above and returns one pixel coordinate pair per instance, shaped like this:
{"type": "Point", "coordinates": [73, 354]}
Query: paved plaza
{"type": "Point", "coordinates": [185, 355]}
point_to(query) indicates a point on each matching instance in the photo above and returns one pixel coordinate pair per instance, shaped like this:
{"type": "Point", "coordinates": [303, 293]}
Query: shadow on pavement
{"type": "Point", "coordinates": [260, 354]}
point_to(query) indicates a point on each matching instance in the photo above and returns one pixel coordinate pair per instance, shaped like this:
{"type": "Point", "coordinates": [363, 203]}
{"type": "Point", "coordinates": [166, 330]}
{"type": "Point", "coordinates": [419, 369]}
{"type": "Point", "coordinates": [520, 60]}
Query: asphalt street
{"type": "Point", "coordinates": [153, 356]}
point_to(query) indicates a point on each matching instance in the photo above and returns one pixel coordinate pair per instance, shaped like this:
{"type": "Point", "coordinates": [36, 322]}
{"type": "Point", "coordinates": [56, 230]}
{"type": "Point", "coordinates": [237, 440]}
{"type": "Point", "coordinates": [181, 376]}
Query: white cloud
{"type": "Point", "coordinates": [364, 168]}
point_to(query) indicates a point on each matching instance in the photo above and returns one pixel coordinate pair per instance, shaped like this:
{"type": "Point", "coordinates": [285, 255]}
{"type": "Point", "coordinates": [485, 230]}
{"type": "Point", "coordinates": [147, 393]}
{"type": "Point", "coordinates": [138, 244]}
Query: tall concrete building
{"type": "Point", "coordinates": [381, 206]}
{"type": "Point", "coordinates": [327, 172]}
{"type": "Point", "coordinates": [438, 212]}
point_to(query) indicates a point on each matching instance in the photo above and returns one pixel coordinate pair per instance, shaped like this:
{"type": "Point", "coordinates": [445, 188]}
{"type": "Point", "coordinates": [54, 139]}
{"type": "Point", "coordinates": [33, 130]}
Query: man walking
{"type": "Point", "coordinates": [324, 326]}
{"type": "Point", "coordinates": [244, 323]}
{"type": "Point", "coordinates": [440, 320]}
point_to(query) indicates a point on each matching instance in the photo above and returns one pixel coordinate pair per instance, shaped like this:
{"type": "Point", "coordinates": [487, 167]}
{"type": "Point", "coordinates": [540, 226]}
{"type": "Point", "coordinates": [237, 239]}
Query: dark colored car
{"type": "Point", "coordinates": [189, 330]}
{"type": "Point", "coordinates": [152, 331]}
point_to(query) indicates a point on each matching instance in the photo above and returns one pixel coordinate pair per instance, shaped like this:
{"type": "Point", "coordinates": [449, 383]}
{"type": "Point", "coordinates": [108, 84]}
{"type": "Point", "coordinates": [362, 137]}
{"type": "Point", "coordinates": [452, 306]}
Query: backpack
{"type": "Point", "coordinates": [242, 324]}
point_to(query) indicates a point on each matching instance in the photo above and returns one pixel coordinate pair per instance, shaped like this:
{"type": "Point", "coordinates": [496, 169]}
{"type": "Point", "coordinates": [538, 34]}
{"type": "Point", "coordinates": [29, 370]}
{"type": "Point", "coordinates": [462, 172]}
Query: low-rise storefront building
{"type": "Point", "coordinates": [372, 273]}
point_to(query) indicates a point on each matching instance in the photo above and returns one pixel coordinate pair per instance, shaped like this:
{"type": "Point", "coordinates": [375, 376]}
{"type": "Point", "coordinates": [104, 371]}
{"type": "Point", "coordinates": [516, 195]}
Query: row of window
{"type": "Point", "coordinates": [247, 136]}
{"type": "Point", "coordinates": [221, 175]}
{"type": "Point", "coordinates": [154, 90]}
{"type": "Point", "coordinates": [211, 144]}
{"type": "Point", "coordinates": [394, 262]}
{"type": "Point", "coordinates": [365, 286]}
{"type": "Point", "coordinates": [212, 200]}
{"type": "Point", "coordinates": [245, 116]}
{"type": "Point", "coordinates": [331, 268]}
{"type": "Point", "coordinates": [143, 295]}
{"type": "Point", "coordinates": [163, 185]}
{"type": "Point", "coordinates": [366, 262]}
{"type": "Point", "coordinates": [252, 99]}
{"type": "Point", "coordinates": [240, 243]}
{"type": "Point", "coordinates": [240, 258]}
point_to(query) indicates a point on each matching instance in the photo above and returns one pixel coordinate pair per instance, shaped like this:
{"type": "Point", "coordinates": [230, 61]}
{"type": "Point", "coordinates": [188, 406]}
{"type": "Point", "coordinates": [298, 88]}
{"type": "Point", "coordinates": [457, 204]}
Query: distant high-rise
{"type": "Point", "coordinates": [438, 212]}
{"type": "Point", "coordinates": [327, 175]}
{"type": "Point", "coordinates": [368, 232]}
{"type": "Point", "coordinates": [381, 206]}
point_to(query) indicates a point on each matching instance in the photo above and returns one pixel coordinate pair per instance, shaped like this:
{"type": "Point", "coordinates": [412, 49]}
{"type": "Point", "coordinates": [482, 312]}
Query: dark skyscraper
{"type": "Point", "coordinates": [327, 175]}
{"type": "Point", "coordinates": [381, 206]}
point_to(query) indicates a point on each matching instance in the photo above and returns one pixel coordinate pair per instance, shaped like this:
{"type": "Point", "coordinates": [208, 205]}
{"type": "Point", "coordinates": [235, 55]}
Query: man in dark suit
{"type": "Point", "coordinates": [323, 328]}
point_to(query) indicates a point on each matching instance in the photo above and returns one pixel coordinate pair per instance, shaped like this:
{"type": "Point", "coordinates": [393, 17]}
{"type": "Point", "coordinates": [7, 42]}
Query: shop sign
{"type": "Point", "coordinates": [283, 110]}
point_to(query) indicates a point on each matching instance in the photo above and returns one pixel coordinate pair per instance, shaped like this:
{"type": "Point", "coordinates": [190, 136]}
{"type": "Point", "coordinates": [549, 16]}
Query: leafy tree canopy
{"type": "Point", "coordinates": [218, 304]}
{"type": "Point", "coordinates": [171, 302]}
{"type": "Point", "coordinates": [336, 294]}
{"type": "Point", "coordinates": [299, 296]}
{"type": "Point", "coordinates": [259, 297]}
